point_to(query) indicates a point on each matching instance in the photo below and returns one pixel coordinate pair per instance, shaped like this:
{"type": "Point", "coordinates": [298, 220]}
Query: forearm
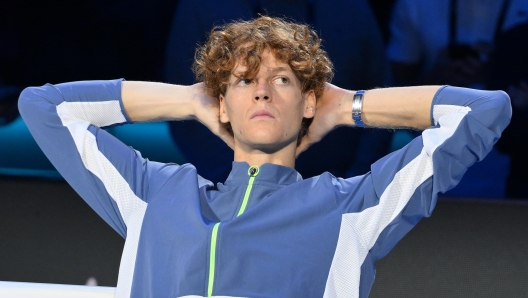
{"type": "Point", "coordinates": [392, 107]}
{"type": "Point", "coordinates": [149, 101]}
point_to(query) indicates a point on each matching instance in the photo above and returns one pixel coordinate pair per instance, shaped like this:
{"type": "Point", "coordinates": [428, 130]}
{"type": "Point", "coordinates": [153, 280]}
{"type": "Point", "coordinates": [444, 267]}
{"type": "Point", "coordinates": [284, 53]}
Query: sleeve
{"type": "Point", "coordinates": [65, 120]}
{"type": "Point", "coordinates": [383, 205]}
{"type": "Point", "coordinates": [404, 43]}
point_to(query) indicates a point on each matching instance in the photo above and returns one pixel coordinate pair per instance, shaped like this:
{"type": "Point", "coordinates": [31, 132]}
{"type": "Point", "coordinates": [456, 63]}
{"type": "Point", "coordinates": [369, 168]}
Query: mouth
{"type": "Point", "coordinates": [262, 114]}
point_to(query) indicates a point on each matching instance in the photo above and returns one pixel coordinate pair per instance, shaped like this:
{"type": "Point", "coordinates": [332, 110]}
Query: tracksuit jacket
{"type": "Point", "coordinates": [266, 231]}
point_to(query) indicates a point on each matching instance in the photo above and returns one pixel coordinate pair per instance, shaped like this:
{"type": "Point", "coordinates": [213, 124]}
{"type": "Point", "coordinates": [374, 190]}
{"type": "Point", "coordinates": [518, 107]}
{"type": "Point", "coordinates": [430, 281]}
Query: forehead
{"type": "Point", "coordinates": [268, 63]}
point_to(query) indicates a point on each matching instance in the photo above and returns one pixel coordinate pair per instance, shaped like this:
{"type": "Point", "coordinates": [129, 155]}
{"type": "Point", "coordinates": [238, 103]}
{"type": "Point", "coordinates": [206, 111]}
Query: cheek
{"type": "Point", "coordinates": [231, 107]}
{"type": "Point", "coordinates": [235, 113]}
{"type": "Point", "coordinates": [295, 115]}
{"type": "Point", "coordinates": [296, 108]}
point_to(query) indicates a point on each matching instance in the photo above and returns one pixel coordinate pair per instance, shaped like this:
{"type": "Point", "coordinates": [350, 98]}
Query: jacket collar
{"type": "Point", "coordinates": [269, 173]}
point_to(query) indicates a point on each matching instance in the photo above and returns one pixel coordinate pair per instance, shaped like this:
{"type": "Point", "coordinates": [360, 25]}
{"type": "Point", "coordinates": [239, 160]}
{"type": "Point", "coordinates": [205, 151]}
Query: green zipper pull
{"type": "Point", "coordinates": [253, 172]}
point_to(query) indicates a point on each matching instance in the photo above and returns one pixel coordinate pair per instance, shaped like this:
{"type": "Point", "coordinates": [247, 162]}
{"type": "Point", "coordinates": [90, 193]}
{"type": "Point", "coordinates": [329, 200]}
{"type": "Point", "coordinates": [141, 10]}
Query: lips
{"type": "Point", "coordinates": [262, 114]}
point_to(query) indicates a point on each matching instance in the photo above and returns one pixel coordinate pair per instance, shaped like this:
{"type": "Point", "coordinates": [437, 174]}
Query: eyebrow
{"type": "Point", "coordinates": [277, 69]}
{"type": "Point", "coordinates": [271, 71]}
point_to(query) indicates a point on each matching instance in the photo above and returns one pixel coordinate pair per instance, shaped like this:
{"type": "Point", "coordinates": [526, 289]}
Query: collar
{"type": "Point", "coordinates": [269, 173]}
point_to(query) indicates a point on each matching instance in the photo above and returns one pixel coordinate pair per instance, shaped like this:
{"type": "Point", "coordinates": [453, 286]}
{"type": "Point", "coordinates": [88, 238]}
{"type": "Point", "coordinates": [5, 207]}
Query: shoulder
{"type": "Point", "coordinates": [175, 177]}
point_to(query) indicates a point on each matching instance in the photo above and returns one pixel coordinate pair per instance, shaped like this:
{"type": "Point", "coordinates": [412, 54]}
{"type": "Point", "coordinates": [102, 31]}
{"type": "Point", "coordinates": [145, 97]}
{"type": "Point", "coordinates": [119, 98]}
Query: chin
{"type": "Point", "coordinates": [271, 145]}
{"type": "Point", "coordinates": [269, 148]}
{"type": "Point", "coordinates": [267, 140]}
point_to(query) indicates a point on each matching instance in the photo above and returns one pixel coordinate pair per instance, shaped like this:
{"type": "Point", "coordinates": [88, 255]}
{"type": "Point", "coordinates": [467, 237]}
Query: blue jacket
{"type": "Point", "coordinates": [265, 232]}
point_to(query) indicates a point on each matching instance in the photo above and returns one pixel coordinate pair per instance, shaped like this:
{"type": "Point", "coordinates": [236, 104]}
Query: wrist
{"type": "Point", "coordinates": [191, 99]}
{"type": "Point", "coordinates": [345, 105]}
{"type": "Point", "coordinates": [185, 101]}
{"type": "Point", "coordinates": [199, 102]}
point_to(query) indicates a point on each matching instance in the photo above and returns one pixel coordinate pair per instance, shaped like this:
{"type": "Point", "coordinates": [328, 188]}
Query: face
{"type": "Point", "coordinates": [266, 111]}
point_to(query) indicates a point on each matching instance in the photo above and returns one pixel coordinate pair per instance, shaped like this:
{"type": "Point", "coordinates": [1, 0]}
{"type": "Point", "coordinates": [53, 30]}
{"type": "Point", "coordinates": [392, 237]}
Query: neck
{"type": "Point", "coordinates": [256, 157]}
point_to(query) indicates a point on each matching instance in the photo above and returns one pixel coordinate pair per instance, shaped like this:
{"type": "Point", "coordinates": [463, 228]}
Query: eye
{"type": "Point", "coordinates": [281, 80]}
{"type": "Point", "coordinates": [243, 82]}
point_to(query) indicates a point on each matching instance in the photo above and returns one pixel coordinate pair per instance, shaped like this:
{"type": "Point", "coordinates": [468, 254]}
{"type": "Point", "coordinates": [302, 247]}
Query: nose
{"type": "Point", "coordinates": [262, 91]}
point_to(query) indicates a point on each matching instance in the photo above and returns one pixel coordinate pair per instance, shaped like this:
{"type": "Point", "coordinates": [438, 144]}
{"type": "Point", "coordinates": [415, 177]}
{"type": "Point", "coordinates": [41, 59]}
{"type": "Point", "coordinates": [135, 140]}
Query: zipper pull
{"type": "Point", "coordinates": [253, 171]}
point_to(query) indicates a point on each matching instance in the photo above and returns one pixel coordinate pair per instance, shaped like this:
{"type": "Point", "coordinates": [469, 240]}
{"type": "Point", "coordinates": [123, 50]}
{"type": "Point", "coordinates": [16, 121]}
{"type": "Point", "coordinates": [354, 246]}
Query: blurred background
{"type": "Point", "coordinates": [474, 245]}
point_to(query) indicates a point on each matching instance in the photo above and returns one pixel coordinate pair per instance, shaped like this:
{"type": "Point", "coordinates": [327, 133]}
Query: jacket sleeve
{"type": "Point", "coordinates": [383, 205]}
{"type": "Point", "coordinates": [65, 120]}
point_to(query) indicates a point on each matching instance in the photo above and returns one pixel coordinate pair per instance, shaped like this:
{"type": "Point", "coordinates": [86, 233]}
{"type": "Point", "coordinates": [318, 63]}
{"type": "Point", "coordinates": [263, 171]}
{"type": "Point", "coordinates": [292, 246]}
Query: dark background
{"type": "Point", "coordinates": [59, 41]}
{"type": "Point", "coordinates": [466, 249]}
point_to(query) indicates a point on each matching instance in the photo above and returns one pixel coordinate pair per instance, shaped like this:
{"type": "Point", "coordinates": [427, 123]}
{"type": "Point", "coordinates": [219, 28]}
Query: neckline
{"type": "Point", "coordinates": [270, 173]}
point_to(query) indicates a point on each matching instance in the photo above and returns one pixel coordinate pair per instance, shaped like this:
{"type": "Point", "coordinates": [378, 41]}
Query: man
{"type": "Point", "coordinates": [345, 152]}
{"type": "Point", "coordinates": [265, 232]}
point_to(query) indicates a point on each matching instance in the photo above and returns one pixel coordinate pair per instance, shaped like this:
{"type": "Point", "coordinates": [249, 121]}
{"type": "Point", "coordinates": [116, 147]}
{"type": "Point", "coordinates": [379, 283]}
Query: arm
{"type": "Point", "coordinates": [382, 206]}
{"type": "Point", "coordinates": [115, 180]}
{"type": "Point", "coordinates": [392, 107]}
{"type": "Point", "coordinates": [148, 101]}
{"type": "Point", "coordinates": [385, 108]}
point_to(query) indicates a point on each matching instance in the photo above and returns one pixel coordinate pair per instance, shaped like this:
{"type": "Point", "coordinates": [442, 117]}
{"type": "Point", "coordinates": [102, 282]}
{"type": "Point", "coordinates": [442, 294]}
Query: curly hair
{"type": "Point", "coordinates": [291, 43]}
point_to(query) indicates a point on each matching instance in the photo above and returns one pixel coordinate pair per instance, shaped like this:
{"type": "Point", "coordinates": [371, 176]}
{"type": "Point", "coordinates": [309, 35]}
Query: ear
{"type": "Point", "coordinates": [223, 114]}
{"type": "Point", "coordinates": [310, 103]}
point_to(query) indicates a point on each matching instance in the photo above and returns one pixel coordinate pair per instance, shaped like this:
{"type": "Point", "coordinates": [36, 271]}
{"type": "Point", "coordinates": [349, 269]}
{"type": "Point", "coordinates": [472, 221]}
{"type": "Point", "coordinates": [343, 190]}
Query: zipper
{"type": "Point", "coordinates": [253, 171]}
{"type": "Point", "coordinates": [212, 261]}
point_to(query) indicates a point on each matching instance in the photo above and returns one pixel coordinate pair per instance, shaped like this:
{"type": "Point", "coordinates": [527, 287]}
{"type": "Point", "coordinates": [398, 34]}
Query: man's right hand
{"type": "Point", "coordinates": [207, 111]}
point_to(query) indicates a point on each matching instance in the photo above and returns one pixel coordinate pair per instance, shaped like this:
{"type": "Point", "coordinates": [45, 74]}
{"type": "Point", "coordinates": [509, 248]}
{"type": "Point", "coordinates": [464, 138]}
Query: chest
{"type": "Point", "coordinates": [289, 237]}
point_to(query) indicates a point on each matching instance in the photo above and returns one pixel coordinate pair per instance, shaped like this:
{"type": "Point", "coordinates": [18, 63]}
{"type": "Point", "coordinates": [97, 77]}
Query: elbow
{"type": "Point", "coordinates": [26, 100]}
{"type": "Point", "coordinates": [499, 111]}
{"type": "Point", "coordinates": [34, 100]}
{"type": "Point", "coordinates": [502, 100]}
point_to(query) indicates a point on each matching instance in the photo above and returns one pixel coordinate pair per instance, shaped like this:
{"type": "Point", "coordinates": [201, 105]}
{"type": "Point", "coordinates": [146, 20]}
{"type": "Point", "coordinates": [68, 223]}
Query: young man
{"type": "Point", "coordinates": [265, 232]}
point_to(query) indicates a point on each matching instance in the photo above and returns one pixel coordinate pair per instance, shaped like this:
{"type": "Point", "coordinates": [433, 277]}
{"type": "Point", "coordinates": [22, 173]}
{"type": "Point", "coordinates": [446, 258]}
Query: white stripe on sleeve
{"type": "Point", "coordinates": [132, 209]}
{"type": "Point", "coordinates": [360, 231]}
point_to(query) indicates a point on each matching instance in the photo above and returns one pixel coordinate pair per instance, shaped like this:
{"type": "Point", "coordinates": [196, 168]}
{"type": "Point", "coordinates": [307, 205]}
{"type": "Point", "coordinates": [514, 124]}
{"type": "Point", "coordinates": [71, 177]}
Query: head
{"type": "Point", "coordinates": [264, 66]}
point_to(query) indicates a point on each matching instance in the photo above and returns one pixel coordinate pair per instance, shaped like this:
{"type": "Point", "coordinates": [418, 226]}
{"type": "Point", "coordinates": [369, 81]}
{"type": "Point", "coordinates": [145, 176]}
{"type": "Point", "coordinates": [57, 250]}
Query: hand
{"type": "Point", "coordinates": [329, 114]}
{"type": "Point", "coordinates": [207, 111]}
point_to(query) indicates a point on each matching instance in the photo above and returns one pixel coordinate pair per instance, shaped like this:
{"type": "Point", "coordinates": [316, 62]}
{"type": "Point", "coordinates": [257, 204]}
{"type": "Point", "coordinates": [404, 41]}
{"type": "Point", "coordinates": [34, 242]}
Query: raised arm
{"type": "Point", "coordinates": [380, 207]}
{"type": "Point", "coordinates": [115, 180]}
{"type": "Point", "coordinates": [149, 101]}
{"type": "Point", "coordinates": [400, 107]}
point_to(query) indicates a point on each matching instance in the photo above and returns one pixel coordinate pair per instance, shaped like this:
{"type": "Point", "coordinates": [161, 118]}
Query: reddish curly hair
{"type": "Point", "coordinates": [291, 43]}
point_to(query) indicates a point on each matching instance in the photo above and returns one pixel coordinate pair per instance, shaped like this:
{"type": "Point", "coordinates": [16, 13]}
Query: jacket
{"type": "Point", "coordinates": [266, 231]}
